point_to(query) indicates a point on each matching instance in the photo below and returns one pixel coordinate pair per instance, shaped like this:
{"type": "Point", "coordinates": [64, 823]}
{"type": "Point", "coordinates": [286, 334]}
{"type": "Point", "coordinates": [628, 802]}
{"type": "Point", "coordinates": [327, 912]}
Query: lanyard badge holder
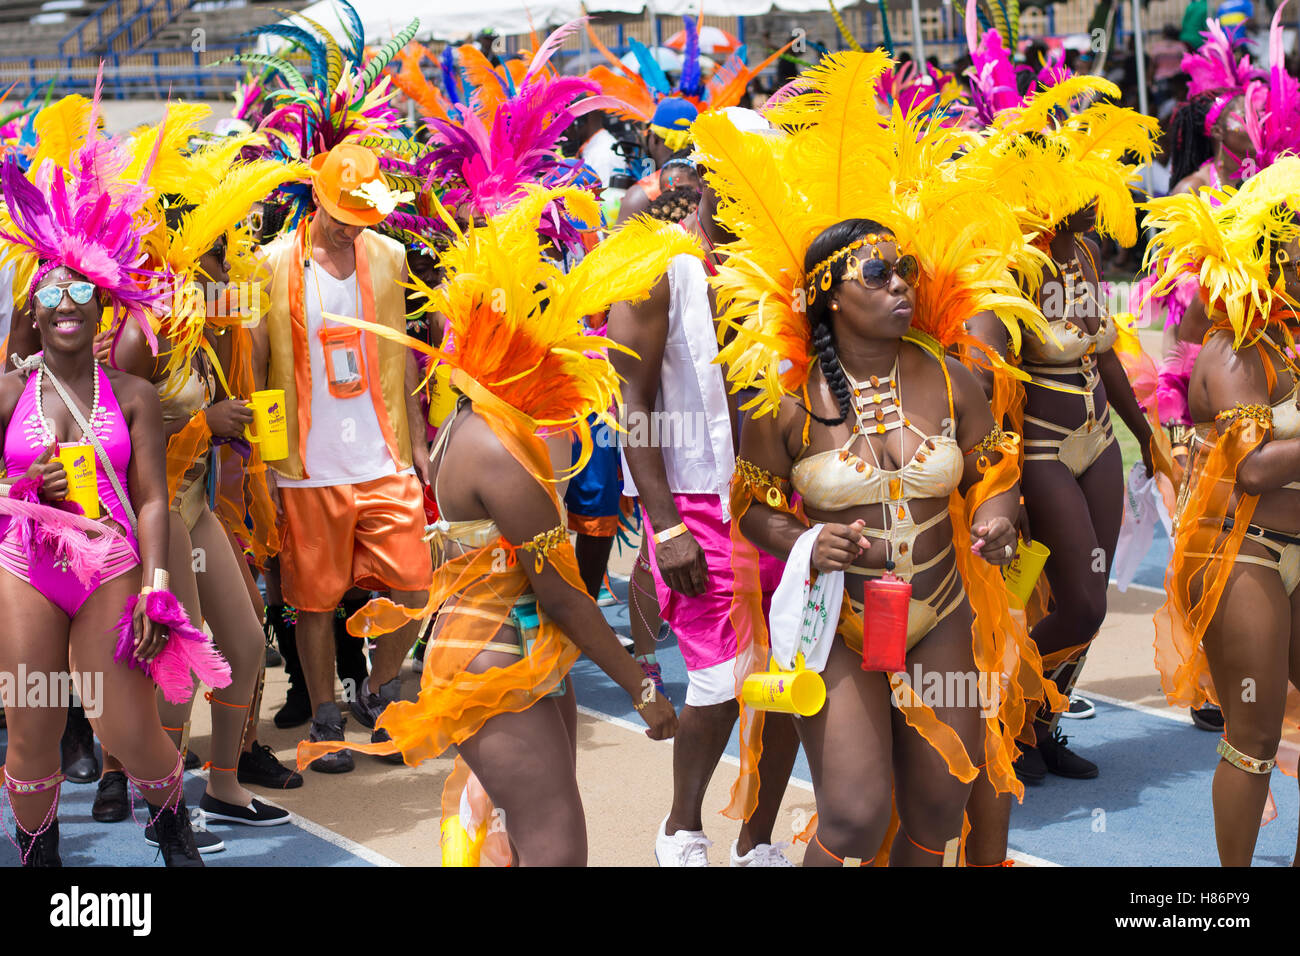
{"type": "Point", "coordinates": [345, 369]}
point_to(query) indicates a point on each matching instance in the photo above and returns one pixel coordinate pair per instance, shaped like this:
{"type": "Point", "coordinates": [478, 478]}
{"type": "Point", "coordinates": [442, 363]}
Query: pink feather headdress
{"type": "Point", "coordinates": [995, 78]}
{"type": "Point", "coordinates": [1215, 65]}
{"type": "Point", "coordinates": [87, 219]}
{"type": "Point", "coordinates": [1273, 107]}
{"type": "Point", "coordinates": [486, 162]}
{"type": "Point", "coordinates": [1216, 68]}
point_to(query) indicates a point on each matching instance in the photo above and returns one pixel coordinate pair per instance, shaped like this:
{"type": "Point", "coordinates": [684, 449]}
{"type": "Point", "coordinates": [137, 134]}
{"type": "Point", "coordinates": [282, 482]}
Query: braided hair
{"type": "Point", "coordinates": [827, 243]}
{"type": "Point", "coordinates": [1192, 145]}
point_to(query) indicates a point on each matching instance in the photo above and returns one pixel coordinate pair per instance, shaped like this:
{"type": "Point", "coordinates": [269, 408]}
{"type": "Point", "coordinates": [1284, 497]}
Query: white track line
{"type": "Point", "coordinates": [1164, 713]}
{"type": "Point", "coordinates": [325, 833]}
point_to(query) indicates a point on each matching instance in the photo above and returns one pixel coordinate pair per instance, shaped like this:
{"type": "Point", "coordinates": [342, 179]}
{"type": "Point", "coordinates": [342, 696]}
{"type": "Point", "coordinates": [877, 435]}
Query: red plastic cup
{"type": "Point", "coordinates": [884, 623]}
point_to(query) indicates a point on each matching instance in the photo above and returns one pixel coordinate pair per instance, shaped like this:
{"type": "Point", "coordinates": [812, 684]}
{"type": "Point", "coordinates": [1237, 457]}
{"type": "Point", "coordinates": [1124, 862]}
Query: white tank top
{"type": "Point", "coordinates": [692, 421]}
{"type": "Point", "coordinates": [345, 445]}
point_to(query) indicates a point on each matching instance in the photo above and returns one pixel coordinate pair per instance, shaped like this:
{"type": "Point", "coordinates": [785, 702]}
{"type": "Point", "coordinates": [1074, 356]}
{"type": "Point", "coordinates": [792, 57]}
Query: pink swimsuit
{"type": "Point", "coordinates": [52, 578]}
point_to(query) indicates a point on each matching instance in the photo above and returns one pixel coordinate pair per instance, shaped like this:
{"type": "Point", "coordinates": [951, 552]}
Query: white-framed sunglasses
{"type": "Point", "coordinates": [51, 295]}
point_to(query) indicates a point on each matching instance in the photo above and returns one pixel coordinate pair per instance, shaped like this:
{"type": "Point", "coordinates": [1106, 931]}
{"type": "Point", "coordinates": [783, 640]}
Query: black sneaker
{"type": "Point", "coordinates": [77, 749]}
{"type": "Point", "coordinates": [260, 768]}
{"type": "Point", "coordinates": [1063, 761]}
{"type": "Point", "coordinates": [381, 736]}
{"type": "Point", "coordinates": [192, 760]}
{"type": "Point", "coordinates": [328, 725]}
{"type": "Point", "coordinates": [1208, 717]}
{"type": "Point", "coordinates": [296, 710]}
{"type": "Point", "coordinates": [1029, 767]}
{"type": "Point", "coordinates": [204, 839]}
{"type": "Point", "coordinates": [172, 833]}
{"type": "Point", "coordinates": [256, 814]}
{"type": "Point", "coordinates": [40, 850]}
{"type": "Point", "coordinates": [367, 707]}
{"type": "Point", "coordinates": [112, 805]}
{"type": "Point", "coordinates": [1081, 708]}
{"type": "Point", "coordinates": [273, 656]}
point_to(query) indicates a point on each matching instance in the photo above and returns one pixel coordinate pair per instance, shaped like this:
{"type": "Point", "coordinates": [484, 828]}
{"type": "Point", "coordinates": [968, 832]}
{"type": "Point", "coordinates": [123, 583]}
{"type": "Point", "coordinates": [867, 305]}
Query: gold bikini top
{"type": "Point", "coordinates": [181, 398]}
{"type": "Point", "coordinates": [1072, 343]}
{"type": "Point", "coordinates": [1284, 413]}
{"type": "Point", "coordinates": [839, 479]}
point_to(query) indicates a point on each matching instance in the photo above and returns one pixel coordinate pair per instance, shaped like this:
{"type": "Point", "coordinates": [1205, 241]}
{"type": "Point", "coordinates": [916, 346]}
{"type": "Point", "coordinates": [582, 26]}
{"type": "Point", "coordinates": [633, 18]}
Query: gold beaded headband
{"type": "Point", "coordinates": [870, 239]}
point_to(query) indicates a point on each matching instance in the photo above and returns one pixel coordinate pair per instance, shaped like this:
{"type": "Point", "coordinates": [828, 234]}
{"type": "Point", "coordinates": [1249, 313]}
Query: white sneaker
{"type": "Point", "coordinates": [683, 848]}
{"type": "Point", "coordinates": [763, 854]}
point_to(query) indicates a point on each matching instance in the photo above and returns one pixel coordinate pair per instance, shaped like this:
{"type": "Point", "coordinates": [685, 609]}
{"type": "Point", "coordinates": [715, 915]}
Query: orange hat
{"type": "Point", "coordinates": [339, 178]}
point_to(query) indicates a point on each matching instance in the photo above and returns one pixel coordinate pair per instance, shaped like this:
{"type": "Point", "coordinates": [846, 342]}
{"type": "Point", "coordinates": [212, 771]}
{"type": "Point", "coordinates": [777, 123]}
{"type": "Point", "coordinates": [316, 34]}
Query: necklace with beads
{"type": "Point", "coordinates": [45, 427]}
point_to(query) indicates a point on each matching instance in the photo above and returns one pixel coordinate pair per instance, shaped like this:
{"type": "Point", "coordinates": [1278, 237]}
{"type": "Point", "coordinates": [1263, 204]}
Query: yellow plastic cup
{"type": "Point", "coordinates": [83, 477]}
{"type": "Point", "coordinates": [270, 427]}
{"type": "Point", "coordinates": [1022, 573]}
{"type": "Point", "coordinates": [458, 847]}
{"type": "Point", "coordinates": [799, 691]}
{"type": "Point", "coordinates": [442, 400]}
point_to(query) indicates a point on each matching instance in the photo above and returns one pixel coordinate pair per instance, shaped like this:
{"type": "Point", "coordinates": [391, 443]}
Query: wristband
{"type": "Point", "coordinates": [675, 531]}
{"type": "Point", "coordinates": [161, 579]}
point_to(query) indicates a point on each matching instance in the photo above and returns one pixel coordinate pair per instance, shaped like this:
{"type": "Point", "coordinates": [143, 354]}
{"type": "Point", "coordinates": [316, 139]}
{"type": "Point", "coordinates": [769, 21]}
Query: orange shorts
{"type": "Point", "coordinates": [371, 534]}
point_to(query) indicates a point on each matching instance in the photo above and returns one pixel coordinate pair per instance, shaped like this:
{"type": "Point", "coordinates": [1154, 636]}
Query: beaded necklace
{"type": "Point", "coordinates": [45, 427]}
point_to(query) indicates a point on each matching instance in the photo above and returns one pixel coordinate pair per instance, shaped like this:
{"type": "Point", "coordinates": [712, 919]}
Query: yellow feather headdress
{"type": "Point", "coordinates": [215, 188]}
{"type": "Point", "coordinates": [1086, 152]}
{"type": "Point", "coordinates": [1231, 248]}
{"type": "Point", "coordinates": [844, 159]}
{"type": "Point", "coordinates": [517, 344]}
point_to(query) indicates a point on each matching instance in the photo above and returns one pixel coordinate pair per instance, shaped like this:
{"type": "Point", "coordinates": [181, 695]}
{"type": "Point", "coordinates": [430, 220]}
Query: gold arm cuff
{"type": "Point", "coordinates": [1260, 414]}
{"type": "Point", "coordinates": [765, 486]}
{"type": "Point", "coordinates": [544, 542]}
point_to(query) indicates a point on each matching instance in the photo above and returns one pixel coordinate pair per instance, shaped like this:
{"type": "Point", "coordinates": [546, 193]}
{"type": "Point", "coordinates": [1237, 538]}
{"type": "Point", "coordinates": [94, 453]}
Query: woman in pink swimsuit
{"type": "Point", "coordinates": [64, 584]}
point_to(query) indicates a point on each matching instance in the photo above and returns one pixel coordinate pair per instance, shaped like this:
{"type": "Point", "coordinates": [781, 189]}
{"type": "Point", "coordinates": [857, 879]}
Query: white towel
{"type": "Point", "coordinates": [805, 613]}
{"type": "Point", "coordinates": [1143, 507]}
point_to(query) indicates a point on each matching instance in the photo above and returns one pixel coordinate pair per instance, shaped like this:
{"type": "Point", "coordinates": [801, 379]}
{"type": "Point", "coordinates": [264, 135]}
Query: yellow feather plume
{"type": "Point", "coordinates": [167, 175]}
{"type": "Point", "coordinates": [1230, 248]}
{"type": "Point", "coordinates": [60, 130]}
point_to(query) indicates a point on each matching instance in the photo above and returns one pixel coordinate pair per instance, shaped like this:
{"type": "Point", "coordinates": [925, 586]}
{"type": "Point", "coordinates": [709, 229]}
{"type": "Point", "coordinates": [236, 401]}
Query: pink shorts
{"type": "Point", "coordinates": [703, 624]}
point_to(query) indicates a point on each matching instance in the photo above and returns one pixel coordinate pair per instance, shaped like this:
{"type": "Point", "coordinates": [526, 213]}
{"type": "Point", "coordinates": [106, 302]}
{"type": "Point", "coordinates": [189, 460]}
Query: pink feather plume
{"type": "Point", "coordinates": [187, 654]}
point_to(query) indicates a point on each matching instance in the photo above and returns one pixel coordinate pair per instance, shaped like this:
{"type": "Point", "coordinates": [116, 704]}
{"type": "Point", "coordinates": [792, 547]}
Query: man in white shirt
{"type": "Point", "coordinates": [683, 478]}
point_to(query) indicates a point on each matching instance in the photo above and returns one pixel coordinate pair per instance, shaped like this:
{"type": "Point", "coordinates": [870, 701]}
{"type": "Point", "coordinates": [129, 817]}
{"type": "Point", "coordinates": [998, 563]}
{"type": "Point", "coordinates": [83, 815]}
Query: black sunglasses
{"type": "Point", "coordinates": [875, 273]}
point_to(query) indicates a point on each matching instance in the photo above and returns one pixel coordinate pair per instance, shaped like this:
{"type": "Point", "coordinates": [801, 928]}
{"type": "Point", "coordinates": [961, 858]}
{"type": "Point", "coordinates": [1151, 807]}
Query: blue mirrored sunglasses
{"type": "Point", "coordinates": [51, 295]}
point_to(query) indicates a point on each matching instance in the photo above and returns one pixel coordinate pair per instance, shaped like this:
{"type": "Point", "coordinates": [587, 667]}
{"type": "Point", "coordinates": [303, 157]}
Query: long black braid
{"type": "Point", "coordinates": [1192, 146]}
{"type": "Point", "coordinates": [828, 242]}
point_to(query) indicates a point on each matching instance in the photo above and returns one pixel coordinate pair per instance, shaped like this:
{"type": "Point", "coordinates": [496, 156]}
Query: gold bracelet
{"type": "Point", "coordinates": [675, 531]}
{"type": "Point", "coordinates": [162, 579]}
{"type": "Point", "coordinates": [645, 703]}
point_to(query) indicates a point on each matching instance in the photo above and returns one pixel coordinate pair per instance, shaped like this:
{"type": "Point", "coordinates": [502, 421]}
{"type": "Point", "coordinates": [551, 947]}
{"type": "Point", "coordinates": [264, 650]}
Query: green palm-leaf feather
{"type": "Point", "coordinates": [386, 54]}
{"type": "Point", "coordinates": [394, 144]}
{"type": "Point", "coordinates": [999, 11]}
{"type": "Point", "coordinates": [402, 182]}
{"type": "Point", "coordinates": [279, 65]}
{"type": "Point", "coordinates": [334, 55]}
